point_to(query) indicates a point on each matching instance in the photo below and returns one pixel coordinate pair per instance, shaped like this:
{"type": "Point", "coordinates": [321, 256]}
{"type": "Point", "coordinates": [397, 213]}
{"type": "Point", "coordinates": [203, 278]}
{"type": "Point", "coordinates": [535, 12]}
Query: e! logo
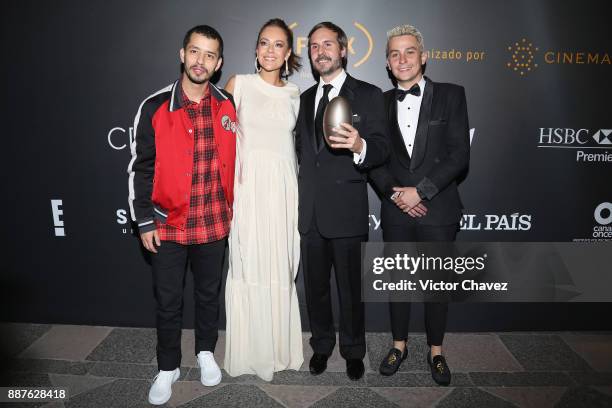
{"type": "Point", "coordinates": [57, 221]}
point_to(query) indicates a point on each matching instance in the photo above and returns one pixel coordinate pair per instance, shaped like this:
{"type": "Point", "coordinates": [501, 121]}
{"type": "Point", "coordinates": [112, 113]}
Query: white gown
{"type": "Point", "coordinates": [264, 333]}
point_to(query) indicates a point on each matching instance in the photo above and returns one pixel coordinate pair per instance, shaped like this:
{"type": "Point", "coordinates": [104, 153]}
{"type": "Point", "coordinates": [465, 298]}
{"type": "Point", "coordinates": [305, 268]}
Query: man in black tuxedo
{"type": "Point", "coordinates": [333, 198]}
{"type": "Point", "coordinates": [430, 149]}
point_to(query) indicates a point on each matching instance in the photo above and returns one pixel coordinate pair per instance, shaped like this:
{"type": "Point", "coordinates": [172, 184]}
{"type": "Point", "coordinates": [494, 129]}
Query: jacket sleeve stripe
{"type": "Point", "coordinates": [139, 184]}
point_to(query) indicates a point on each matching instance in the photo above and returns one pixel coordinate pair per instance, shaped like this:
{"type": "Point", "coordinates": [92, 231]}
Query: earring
{"type": "Point", "coordinates": [257, 67]}
{"type": "Point", "coordinates": [286, 68]}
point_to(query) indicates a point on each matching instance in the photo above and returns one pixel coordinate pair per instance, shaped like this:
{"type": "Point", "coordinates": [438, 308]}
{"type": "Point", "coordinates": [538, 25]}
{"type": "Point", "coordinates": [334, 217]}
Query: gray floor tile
{"type": "Point", "coordinates": [478, 352]}
{"type": "Point", "coordinates": [56, 404]}
{"type": "Point", "coordinates": [67, 342]}
{"type": "Point", "coordinates": [471, 398]}
{"type": "Point", "coordinates": [543, 352]}
{"type": "Point", "coordinates": [415, 397]}
{"type": "Point", "coordinates": [529, 397]}
{"type": "Point", "coordinates": [346, 397]}
{"type": "Point", "coordinates": [194, 375]}
{"type": "Point", "coordinates": [414, 380]}
{"type": "Point", "coordinates": [126, 345]}
{"type": "Point", "coordinates": [22, 379]}
{"type": "Point", "coordinates": [129, 370]}
{"type": "Point", "coordinates": [595, 349]}
{"type": "Point", "coordinates": [16, 337]}
{"type": "Point", "coordinates": [50, 366]}
{"type": "Point", "coordinates": [234, 395]}
{"type": "Point", "coordinates": [584, 397]}
{"type": "Point", "coordinates": [523, 379]}
{"type": "Point", "coordinates": [297, 396]}
{"type": "Point", "coordinates": [591, 378]}
{"type": "Point", "coordinates": [186, 391]}
{"type": "Point", "coordinates": [305, 378]}
{"type": "Point", "coordinates": [117, 394]}
{"type": "Point", "coordinates": [78, 384]}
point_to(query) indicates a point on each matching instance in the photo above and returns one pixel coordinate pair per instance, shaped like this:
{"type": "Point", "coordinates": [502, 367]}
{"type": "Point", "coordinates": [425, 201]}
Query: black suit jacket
{"type": "Point", "coordinates": [329, 181]}
{"type": "Point", "coordinates": [440, 156]}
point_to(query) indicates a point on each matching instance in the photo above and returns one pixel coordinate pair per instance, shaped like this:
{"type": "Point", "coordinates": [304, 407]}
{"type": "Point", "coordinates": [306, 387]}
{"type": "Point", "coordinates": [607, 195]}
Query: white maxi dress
{"type": "Point", "coordinates": [263, 332]}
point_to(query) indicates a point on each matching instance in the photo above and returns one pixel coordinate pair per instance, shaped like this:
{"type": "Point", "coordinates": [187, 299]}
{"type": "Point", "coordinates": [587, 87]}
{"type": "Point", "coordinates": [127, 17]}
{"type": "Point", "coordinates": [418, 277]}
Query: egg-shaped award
{"type": "Point", "coordinates": [337, 111]}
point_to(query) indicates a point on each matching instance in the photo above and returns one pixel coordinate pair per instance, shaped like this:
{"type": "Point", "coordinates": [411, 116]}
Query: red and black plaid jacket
{"type": "Point", "coordinates": [160, 172]}
{"type": "Point", "coordinates": [208, 218]}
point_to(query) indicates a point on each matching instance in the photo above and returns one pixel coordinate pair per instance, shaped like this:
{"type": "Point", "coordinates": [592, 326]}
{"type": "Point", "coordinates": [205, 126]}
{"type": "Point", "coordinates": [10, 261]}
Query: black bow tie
{"type": "Point", "coordinates": [401, 94]}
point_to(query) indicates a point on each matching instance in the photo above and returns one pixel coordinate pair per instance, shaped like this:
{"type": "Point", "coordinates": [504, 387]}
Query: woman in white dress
{"type": "Point", "coordinates": [263, 332]}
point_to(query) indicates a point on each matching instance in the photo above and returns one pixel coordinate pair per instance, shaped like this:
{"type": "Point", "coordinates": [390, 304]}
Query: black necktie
{"type": "Point", "coordinates": [319, 116]}
{"type": "Point", "coordinates": [401, 94]}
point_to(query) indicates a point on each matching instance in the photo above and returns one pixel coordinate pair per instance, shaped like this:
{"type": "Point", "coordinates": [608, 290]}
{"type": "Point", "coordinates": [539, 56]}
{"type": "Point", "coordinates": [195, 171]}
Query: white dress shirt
{"type": "Point", "coordinates": [408, 115]}
{"type": "Point", "coordinates": [336, 84]}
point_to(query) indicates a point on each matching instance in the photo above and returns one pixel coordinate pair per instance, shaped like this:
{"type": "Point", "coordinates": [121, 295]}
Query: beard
{"type": "Point", "coordinates": [335, 65]}
{"type": "Point", "coordinates": [198, 80]}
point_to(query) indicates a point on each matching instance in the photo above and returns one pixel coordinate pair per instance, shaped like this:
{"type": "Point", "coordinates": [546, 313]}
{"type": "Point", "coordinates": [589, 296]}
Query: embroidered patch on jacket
{"type": "Point", "coordinates": [227, 124]}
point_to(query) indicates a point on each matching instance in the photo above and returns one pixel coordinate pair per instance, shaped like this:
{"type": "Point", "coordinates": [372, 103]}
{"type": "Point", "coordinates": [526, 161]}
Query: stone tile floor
{"type": "Point", "coordinates": [112, 367]}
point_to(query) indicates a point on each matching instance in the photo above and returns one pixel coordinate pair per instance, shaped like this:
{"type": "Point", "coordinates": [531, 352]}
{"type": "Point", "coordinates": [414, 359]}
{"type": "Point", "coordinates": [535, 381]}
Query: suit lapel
{"type": "Point", "coordinates": [347, 89]}
{"type": "Point", "coordinates": [420, 139]}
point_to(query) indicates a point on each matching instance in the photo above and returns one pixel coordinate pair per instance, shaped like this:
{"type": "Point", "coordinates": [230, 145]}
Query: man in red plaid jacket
{"type": "Point", "coordinates": [181, 181]}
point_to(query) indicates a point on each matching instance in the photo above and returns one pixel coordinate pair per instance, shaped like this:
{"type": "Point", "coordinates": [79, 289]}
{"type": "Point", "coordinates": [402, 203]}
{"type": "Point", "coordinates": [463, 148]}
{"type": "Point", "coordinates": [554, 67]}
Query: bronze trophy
{"type": "Point", "coordinates": [337, 111]}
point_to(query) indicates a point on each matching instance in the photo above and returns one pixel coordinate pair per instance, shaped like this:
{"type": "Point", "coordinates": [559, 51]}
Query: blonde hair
{"type": "Point", "coordinates": [405, 29]}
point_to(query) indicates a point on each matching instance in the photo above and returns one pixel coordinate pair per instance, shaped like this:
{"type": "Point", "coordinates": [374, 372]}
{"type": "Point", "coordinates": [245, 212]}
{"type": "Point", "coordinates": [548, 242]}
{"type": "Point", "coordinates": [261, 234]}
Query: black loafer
{"type": "Point", "coordinates": [354, 368]}
{"type": "Point", "coordinates": [391, 363]}
{"type": "Point", "coordinates": [318, 363]}
{"type": "Point", "coordinates": [439, 369]}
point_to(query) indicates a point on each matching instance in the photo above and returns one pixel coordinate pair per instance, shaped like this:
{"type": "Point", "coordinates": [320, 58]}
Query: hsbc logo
{"type": "Point", "coordinates": [590, 146]}
{"type": "Point", "coordinates": [574, 137]}
{"type": "Point", "coordinates": [602, 136]}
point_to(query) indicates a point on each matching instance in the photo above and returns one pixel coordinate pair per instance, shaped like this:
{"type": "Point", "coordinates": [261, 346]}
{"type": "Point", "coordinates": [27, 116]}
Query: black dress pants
{"type": "Point", "coordinates": [318, 256]}
{"type": "Point", "coordinates": [169, 269]}
{"type": "Point", "coordinates": [435, 312]}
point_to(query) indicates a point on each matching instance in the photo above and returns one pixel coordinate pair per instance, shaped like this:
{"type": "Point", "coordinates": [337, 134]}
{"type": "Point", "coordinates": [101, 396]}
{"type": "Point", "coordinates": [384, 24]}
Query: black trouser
{"type": "Point", "coordinates": [435, 312]}
{"type": "Point", "coordinates": [318, 256]}
{"type": "Point", "coordinates": [169, 267]}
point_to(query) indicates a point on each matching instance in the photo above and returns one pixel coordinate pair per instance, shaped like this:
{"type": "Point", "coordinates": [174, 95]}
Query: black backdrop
{"type": "Point", "coordinates": [75, 72]}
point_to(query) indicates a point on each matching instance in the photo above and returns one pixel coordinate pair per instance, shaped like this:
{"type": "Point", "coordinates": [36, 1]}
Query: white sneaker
{"type": "Point", "coordinates": [210, 373]}
{"type": "Point", "coordinates": [161, 390]}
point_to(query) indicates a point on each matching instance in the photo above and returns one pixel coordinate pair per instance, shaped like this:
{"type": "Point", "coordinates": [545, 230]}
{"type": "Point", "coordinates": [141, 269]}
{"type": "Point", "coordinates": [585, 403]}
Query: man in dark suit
{"type": "Point", "coordinates": [429, 139]}
{"type": "Point", "coordinates": [333, 199]}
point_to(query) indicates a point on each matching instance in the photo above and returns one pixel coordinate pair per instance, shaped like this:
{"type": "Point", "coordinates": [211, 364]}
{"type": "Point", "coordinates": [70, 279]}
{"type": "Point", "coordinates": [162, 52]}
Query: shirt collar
{"type": "Point", "coordinates": [184, 99]}
{"type": "Point", "coordinates": [421, 84]}
{"type": "Point", "coordinates": [337, 82]}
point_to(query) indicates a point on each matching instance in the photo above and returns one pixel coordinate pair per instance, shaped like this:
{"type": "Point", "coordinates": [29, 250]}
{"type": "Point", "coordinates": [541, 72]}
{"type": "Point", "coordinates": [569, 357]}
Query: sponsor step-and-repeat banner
{"type": "Point", "coordinates": [536, 77]}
